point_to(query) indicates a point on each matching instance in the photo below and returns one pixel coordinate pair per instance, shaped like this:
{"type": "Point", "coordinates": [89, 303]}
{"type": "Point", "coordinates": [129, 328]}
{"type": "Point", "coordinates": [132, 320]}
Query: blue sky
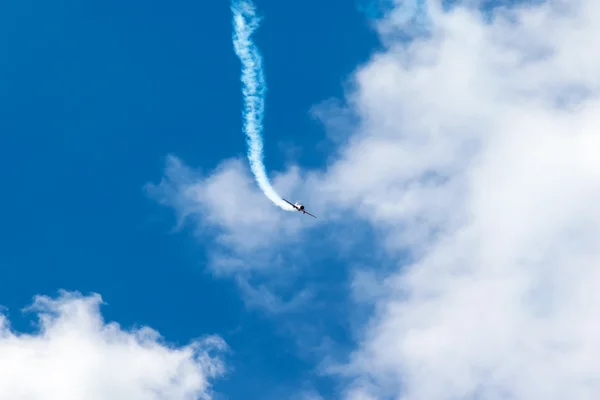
{"type": "Point", "coordinates": [95, 96]}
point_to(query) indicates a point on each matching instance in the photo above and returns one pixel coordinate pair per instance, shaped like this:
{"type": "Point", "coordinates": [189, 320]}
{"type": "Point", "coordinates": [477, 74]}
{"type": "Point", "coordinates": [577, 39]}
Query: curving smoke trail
{"type": "Point", "coordinates": [245, 22]}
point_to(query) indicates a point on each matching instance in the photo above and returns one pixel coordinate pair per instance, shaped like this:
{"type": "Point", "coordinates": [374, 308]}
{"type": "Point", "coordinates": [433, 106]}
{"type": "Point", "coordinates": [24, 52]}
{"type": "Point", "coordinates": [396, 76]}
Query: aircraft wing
{"type": "Point", "coordinates": [289, 203]}
{"type": "Point", "coordinates": [306, 212]}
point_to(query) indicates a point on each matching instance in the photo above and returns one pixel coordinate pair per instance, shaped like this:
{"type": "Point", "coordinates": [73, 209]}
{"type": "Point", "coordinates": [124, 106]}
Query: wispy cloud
{"type": "Point", "coordinates": [249, 240]}
{"type": "Point", "coordinates": [225, 200]}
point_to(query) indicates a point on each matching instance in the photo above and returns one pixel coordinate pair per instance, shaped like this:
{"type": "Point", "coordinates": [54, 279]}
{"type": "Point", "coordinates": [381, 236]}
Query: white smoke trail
{"type": "Point", "coordinates": [245, 22]}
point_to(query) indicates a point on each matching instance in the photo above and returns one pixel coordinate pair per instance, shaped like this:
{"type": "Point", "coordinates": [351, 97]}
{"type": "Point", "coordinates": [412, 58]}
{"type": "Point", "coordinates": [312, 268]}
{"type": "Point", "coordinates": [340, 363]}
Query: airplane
{"type": "Point", "coordinates": [299, 207]}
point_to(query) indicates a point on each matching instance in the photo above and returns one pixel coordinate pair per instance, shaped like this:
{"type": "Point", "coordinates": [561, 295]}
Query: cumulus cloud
{"type": "Point", "coordinates": [76, 355]}
{"type": "Point", "coordinates": [473, 149]}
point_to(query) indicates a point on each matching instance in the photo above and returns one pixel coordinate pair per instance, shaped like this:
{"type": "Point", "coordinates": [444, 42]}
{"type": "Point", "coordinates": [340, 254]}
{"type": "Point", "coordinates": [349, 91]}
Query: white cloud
{"type": "Point", "coordinates": [476, 149]}
{"type": "Point", "coordinates": [500, 303]}
{"type": "Point", "coordinates": [76, 355]}
{"type": "Point", "coordinates": [227, 200]}
{"type": "Point", "coordinates": [253, 240]}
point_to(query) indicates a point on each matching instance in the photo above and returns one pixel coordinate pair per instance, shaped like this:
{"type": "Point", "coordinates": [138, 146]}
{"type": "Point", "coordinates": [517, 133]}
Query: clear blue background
{"type": "Point", "coordinates": [93, 96]}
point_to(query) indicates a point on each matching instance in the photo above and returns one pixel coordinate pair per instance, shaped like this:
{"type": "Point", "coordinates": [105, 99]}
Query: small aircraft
{"type": "Point", "coordinates": [299, 207]}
